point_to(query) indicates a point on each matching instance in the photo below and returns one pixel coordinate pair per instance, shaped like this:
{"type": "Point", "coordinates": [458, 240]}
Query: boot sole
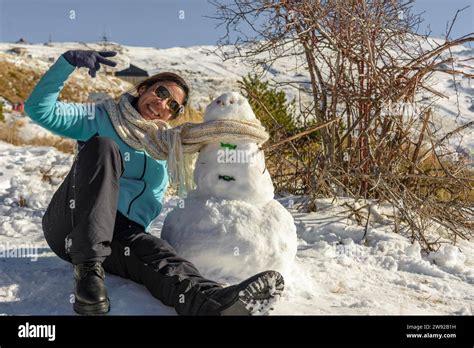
{"type": "Point", "coordinates": [92, 309]}
{"type": "Point", "coordinates": [259, 296]}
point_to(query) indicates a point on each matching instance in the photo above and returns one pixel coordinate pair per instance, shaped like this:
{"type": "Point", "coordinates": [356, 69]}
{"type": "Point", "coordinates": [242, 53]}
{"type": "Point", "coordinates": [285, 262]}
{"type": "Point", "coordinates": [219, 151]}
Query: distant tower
{"type": "Point", "coordinates": [50, 40]}
{"type": "Point", "coordinates": [104, 39]}
{"type": "Point", "coordinates": [105, 43]}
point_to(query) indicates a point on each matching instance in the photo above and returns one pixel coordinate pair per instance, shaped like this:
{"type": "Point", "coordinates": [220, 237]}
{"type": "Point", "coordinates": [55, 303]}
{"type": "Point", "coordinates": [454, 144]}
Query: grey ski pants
{"type": "Point", "coordinates": [82, 224]}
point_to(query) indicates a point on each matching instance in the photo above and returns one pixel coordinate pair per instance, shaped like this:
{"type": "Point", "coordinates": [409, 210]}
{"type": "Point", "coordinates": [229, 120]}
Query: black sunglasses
{"type": "Point", "coordinates": [163, 93]}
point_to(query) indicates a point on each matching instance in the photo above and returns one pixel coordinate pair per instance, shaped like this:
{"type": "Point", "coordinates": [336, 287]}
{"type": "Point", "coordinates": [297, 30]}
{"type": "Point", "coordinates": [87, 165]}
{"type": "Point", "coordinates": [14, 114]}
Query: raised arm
{"type": "Point", "coordinates": [76, 121]}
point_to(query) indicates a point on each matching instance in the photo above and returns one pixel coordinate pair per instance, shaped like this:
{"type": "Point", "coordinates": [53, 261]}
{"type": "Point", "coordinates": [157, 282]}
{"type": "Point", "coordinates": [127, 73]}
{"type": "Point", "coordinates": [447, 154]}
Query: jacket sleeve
{"type": "Point", "coordinates": [71, 120]}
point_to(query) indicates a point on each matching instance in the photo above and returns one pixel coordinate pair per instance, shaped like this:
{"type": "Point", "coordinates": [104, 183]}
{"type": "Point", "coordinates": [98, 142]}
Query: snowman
{"type": "Point", "coordinates": [230, 226]}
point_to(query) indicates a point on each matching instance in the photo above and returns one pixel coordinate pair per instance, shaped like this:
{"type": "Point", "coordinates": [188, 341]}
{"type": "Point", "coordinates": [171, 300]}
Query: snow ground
{"type": "Point", "coordinates": [335, 272]}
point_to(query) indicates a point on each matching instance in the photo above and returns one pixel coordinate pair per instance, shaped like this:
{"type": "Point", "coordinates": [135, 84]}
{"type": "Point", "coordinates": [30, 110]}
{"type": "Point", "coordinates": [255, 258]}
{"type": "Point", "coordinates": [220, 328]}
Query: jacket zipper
{"type": "Point", "coordinates": [143, 190]}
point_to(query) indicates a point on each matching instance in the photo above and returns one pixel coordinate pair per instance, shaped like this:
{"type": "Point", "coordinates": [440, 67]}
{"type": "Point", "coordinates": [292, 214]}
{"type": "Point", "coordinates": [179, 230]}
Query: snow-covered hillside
{"type": "Point", "coordinates": [335, 271]}
{"type": "Point", "coordinates": [209, 76]}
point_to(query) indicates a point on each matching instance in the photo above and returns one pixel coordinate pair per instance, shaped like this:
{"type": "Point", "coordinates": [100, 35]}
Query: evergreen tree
{"type": "Point", "coordinates": [270, 105]}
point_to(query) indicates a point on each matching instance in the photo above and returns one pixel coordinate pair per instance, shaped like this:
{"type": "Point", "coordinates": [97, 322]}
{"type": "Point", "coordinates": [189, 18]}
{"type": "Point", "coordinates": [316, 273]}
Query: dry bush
{"type": "Point", "coordinates": [60, 144]}
{"type": "Point", "coordinates": [366, 65]}
{"type": "Point", "coordinates": [16, 83]}
{"type": "Point", "coordinates": [11, 133]}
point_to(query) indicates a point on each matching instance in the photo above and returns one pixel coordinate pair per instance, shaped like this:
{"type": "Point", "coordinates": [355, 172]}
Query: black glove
{"type": "Point", "coordinates": [89, 59]}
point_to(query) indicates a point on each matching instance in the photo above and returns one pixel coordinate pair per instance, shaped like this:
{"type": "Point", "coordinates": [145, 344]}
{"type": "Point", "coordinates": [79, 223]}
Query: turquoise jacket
{"type": "Point", "coordinates": [144, 181]}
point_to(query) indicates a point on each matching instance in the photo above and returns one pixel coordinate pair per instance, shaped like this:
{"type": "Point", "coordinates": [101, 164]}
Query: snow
{"type": "Point", "coordinates": [383, 274]}
{"type": "Point", "coordinates": [336, 269]}
{"type": "Point", "coordinates": [232, 239]}
{"type": "Point", "coordinates": [452, 259]}
{"type": "Point", "coordinates": [229, 106]}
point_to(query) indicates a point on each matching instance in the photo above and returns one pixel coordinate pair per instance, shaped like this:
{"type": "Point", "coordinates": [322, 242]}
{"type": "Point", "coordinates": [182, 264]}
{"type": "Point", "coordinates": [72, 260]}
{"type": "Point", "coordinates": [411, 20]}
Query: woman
{"type": "Point", "coordinates": [99, 217]}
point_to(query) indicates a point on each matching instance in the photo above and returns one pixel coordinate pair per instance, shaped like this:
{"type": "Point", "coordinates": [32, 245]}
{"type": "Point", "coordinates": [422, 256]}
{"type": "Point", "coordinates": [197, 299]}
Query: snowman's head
{"type": "Point", "coordinates": [231, 106]}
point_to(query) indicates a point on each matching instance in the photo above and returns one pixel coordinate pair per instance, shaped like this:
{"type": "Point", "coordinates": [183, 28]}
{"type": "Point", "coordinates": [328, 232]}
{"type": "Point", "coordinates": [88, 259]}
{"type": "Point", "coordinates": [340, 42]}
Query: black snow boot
{"type": "Point", "coordinates": [90, 294]}
{"type": "Point", "coordinates": [254, 296]}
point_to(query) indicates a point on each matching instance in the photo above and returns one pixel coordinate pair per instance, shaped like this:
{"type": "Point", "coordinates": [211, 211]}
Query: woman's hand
{"type": "Point", "coordinates": [89, 59]}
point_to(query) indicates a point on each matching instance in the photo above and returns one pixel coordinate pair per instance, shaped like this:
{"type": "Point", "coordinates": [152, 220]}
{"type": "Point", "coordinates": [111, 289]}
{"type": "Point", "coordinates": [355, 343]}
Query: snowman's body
{"type": "Point", "coordinates": [230, 226]}
{"type": "Point", "coordinates": [235, 171]}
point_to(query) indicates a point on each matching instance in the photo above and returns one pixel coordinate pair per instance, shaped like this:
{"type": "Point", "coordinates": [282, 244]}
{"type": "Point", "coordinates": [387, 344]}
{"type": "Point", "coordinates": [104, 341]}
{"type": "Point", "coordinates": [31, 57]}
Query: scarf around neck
{"type": "Point", "coordinates": [162, 142]}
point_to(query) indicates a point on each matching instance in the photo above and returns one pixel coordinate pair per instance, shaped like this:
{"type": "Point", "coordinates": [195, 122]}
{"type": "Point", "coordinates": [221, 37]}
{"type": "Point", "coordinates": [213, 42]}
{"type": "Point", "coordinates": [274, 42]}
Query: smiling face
{"type": "Point", "coordinates": [151, 107]}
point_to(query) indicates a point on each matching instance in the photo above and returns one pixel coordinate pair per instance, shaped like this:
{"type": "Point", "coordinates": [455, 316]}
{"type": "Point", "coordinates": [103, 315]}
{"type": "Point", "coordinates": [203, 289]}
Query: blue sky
{"type": "Point", "coordinates": [157, 23]}
{"type": "Point", "coordinates": [437, 13]}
